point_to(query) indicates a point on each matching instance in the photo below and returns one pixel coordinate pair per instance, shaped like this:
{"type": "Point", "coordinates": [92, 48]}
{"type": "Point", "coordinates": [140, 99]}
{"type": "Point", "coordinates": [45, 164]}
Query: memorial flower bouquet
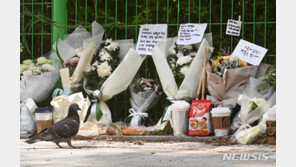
{"type": "Point", "coordinates": [145, 93]}
{"type": "Point", "coordinates": [227, 77]}
{"type": "Point", "coordinates": [29, 68]}
{"type": "Point", "coordinates": [103, 63]}
{"type": "Point", "coordinates": [256, 99]}
{"type": "Point", "coordinates": [37, 79]}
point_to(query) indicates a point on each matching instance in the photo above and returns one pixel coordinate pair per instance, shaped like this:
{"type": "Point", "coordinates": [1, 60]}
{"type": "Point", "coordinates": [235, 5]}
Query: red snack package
{"type": "Point", "coordinates": [199, 118]}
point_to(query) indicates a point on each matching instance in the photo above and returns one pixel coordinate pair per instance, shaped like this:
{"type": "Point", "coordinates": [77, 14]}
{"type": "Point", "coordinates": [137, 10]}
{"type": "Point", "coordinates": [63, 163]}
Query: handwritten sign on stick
{"type": "Point", "coordinates": [249, 52]}
{"type": "Point", "coordinates": [191, 33]}
{"type": "Point", "coordinates": [148, 35]}
{"type": "Point", "coordinates": [233, 28]}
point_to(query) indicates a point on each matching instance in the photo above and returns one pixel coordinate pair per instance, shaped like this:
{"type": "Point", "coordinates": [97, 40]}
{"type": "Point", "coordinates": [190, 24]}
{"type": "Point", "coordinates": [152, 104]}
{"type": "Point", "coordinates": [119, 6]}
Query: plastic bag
{"type": "Point", "coordinates": [189, 84]}
{"type": "Point", "coordinates": [27, 123]}
{"type": "Point", "coordinates": [91, 129]}
{"type": "Point", "coordinates": [141, 102]}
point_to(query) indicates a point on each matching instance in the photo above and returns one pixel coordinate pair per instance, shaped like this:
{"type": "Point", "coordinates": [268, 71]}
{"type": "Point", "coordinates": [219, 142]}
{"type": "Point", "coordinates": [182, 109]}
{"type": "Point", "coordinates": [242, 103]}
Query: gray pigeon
{"type": "Point", "coordinates": [61, 131]}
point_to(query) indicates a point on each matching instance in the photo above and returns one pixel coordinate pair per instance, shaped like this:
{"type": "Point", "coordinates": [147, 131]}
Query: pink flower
{"type": "Point", "coordinates": [74, 61]}
{"type": "Point", "coordinates": [67, 61]}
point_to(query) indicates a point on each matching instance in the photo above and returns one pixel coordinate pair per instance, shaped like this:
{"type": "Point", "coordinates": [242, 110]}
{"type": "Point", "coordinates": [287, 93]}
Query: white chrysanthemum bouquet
{"type": "Point", "coordinates": [103, 63]}
{"type": "Point", "coordinates": [37, 80]}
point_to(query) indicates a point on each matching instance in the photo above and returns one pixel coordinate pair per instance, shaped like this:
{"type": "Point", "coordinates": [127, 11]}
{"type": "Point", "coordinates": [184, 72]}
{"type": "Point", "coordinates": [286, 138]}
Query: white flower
{"type": "Point", "coordinates": [105, 55]}
{"type": "Point", "coordinates": [173, 65]}
{"type": "Point", "coordinates": [42, 60]}
{"type": "Point", "coordinates": [27, 62]}
{"type": "Point", "coordinates": [184, 70]}
{"type": "Point", "coordinates": [94, 65]}
{"type": "Point", "coordinates": [108, 41]}
{"type": "Point", "coordinates": [104, 70]}
{"type": "Point", "coordinates": [172, 49]}
{"type": "Point", "coordinates": [47, 67]}
{"type": "Point", "coordinates": [23, 67]}
{"type": "Point", "coordinates": [112, 46]}
{"type": "Point", "coordinates": [192, 54]}
{"type": "Point", "coordinates": [180, 54]}
{"type": "Point", "coordinates": [27, 72]}
{"type": "Point", "coordinates": [189, 47]}
{"type": "Point", "coordinates": [184, 60]}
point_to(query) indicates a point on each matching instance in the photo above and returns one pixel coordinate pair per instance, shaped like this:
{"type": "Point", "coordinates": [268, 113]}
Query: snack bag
{"type": "Point", "coordinates": [199, 118]}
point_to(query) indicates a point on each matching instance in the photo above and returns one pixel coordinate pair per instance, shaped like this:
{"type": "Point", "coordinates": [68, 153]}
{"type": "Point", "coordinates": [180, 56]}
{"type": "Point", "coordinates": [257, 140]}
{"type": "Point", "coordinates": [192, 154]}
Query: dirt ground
{"type": "Point", "coordinates": [138, 153]}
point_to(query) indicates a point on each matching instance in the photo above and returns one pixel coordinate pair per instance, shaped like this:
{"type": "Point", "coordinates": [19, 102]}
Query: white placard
{"type": "Point", "coordinates": [249, 52]}
{"type": "Point", "coordinates": [191, 33]}
{"type": "Point", "coordinates": [233, 27]}
{"type": "Point", "coordinates": [148, 35]}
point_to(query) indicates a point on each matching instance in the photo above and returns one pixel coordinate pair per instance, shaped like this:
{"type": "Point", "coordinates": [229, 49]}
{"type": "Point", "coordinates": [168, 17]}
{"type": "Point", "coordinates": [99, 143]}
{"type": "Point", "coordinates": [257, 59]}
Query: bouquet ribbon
{"type": "Point", "coordinates": [137, 116]}
{"type": "Point", "coordinates": [95, 110]}
{"type": "Point", "coordinates": [59, 92]}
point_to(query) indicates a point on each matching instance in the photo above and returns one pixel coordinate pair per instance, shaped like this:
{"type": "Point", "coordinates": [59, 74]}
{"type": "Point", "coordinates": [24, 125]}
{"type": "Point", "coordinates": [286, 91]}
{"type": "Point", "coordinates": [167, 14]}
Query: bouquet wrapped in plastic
{"type": "Point", "coordinates": [255, 100]}
{"type": "Point", "coordinates": [37, 79]}
{"type": "Point", "coordinates": [227, 77]}
{"type": "Point", "coordinates": [170, 69]}
{"type": "Point", "coordinates": [144, 95]}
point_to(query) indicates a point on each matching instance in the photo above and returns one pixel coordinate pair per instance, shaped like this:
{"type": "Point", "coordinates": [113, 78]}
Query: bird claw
{"type": "Point", "coordinates": [76, 147]}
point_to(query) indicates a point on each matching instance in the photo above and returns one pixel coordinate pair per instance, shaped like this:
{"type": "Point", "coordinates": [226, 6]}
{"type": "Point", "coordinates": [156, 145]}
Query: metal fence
{"type": "Point", "coordinates": [121, 20]}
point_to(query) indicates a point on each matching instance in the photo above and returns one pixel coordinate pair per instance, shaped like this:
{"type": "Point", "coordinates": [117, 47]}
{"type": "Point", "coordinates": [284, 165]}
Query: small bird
{"type": "Point", "coordinates": [61, 131]}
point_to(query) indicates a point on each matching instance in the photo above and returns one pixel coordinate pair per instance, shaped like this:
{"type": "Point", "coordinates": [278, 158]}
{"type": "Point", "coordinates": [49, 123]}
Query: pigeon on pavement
{"type": "Point", "coordinates": [61, 131]}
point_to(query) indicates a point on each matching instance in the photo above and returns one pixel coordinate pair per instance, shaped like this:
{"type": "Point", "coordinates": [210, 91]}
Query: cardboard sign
{"type": "Point", "coordinates": [233, 27]}
{"type": "Point", "coordinates": [148, 35]}
{"type": "Point", "coordinates": [191, 33]}
{"type": "Point", "coordinates": [249, 52]}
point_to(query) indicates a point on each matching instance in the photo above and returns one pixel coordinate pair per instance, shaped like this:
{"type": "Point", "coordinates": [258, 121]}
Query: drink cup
{"type": "Point", "coordinates": [221, 121]}
{"type": "Point", "coordinates": [180, 110]}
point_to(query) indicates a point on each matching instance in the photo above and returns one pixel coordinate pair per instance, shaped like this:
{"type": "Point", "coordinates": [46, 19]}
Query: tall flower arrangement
{"type": "Point", "coordinates": [105, 60]}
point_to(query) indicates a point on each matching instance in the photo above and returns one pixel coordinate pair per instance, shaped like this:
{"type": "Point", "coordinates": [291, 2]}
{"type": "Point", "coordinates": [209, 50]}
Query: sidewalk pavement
{"type": "Point", "coordinates": [138, 153]}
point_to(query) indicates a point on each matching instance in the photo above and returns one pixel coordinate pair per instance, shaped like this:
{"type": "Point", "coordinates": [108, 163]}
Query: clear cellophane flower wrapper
{"type": "Point", "coordinates": [79, 38]}
{"type": "Point", "coordinates": [116, 83]}
{"type": "Point", "coordinates": [38, 87]}
{"type": "Point", "coordinates": [141, 102]}
{"type": "Point", "coordinates": [189, 85]}
{"type": "Point", "coordinates": [256, 88]}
